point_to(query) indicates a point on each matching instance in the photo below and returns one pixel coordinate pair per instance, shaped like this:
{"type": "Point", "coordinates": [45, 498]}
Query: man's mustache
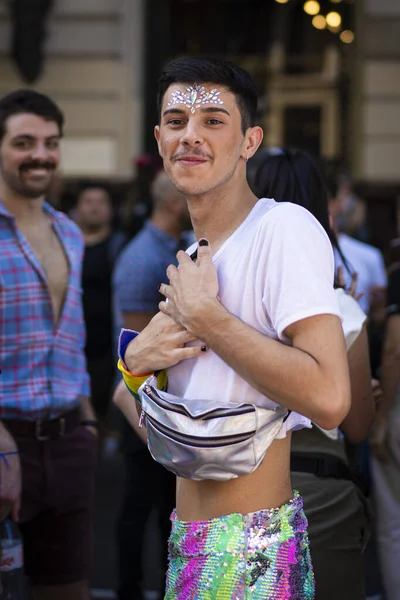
{"type": "Point", "coordinates": [49, 165]}
{"type": "Point", "coordinates": [194, 152]}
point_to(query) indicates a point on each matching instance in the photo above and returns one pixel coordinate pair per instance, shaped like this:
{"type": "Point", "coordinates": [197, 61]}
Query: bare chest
{"type": "Point", "coordinates": [50, 253]}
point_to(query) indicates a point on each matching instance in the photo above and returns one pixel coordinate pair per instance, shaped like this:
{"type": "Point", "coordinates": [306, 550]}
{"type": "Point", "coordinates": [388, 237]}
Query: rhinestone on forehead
{"type": "Point", "coordinates": [194, 97]}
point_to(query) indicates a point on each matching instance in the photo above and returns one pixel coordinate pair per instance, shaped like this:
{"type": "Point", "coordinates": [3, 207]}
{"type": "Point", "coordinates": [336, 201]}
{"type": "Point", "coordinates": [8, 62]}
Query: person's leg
{"type": "Point", "coordinates": [137, 504]}
{"type": "Point", "coordinates": [57, 539]}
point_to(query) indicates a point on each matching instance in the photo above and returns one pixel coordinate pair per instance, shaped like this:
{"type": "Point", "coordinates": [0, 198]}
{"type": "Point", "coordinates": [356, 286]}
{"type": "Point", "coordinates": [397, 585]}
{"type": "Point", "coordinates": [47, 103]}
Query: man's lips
{"type": "Point", "coordinates": [191, 160]}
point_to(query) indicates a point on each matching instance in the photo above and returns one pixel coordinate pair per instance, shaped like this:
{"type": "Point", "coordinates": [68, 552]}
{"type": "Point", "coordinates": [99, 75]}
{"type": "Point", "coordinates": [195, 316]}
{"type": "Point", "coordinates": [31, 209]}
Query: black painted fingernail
{"type": "Point", "coordinates": [159, 287]}
{"type": "Point", "coordinates": [204, 348]}
{"type": "Point", "coordinates": [203, 242]}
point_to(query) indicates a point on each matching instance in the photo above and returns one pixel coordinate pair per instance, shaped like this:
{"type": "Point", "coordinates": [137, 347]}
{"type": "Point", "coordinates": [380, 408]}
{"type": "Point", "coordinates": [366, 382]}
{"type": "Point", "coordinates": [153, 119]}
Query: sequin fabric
{"type": "Point", "coordinates": [259, 556]}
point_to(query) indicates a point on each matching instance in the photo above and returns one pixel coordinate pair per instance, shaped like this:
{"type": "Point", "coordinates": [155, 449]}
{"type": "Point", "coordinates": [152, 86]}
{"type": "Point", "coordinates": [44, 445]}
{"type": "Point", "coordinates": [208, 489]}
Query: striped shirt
{"type": "Point", "coordinates": [43, 367]}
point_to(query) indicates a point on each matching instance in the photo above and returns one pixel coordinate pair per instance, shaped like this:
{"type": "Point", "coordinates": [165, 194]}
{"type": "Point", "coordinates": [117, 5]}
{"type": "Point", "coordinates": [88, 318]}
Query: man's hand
{"type": "Point", "coordinates": [191, 287]}
{"type": "Point", "coordinates": [352, 290]}
{"type": "Point", "coordinates": [159, 346]}
{"type": "Point", "coordinates": [10, 476]}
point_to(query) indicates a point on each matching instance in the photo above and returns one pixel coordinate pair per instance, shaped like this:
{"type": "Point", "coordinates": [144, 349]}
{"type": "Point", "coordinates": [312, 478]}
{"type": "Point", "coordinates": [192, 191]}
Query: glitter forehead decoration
{"type": "Point", "coordinates": [194, 97]}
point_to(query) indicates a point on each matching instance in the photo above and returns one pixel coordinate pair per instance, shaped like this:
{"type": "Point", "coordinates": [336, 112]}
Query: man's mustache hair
{"type": "Point", "coordinates": [192, 152]}
{"type": "Point", "coordinates": [37, 165]}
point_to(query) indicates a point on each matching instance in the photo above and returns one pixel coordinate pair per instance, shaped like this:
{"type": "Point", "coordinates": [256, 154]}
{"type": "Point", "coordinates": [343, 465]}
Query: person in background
{"type": "Point", "coordinates": [94, 215]}
{"type": "Point", "coordinates": [352, 219]}
{"type": "Point", "coordinates": [364, 259]}
{"type": "Point", "coordinates": [48, 445]}
{"type": "Point", "coordinates": [385, 445]}
{"type": "Point", "coordinates": [335, 506]}
{"type": "Point", "coordinates": [138, 273]}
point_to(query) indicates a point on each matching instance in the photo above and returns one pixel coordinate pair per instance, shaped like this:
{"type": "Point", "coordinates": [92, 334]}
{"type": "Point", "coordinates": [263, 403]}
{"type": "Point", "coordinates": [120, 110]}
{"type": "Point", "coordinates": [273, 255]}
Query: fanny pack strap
{"type": "Point", "coordinates": [324, 465]}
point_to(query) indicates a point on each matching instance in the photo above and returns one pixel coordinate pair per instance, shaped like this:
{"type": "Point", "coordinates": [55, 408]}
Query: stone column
{"type": "Point", "coordinates": [376, 92]}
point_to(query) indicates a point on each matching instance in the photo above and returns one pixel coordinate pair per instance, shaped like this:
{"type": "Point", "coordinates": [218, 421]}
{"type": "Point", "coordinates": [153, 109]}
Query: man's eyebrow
{"type": "Point", "coordinates": [170, 111]}
{"type": "Point", "coordinates": [208, 109]}
{"type": "Point", "coordinates": [28, 136]}
{"type": "Point", "coordinates": [213, 109]}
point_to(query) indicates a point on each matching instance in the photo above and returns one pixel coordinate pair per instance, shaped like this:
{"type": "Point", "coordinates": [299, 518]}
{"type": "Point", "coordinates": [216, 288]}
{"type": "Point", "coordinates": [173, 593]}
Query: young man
{"type": "Point", "coordinates": [47, 431]}
{"type": "Point", "coordinates": [253, 320]}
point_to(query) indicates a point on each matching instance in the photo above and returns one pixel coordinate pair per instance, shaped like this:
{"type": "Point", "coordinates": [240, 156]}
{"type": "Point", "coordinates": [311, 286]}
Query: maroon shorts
{"type": "Point", "coordinates": [58, 477]}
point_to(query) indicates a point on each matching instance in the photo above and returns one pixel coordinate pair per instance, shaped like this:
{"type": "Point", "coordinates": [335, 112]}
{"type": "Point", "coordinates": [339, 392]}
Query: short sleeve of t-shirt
{"type": "Point", "coordinates": [299, 268]}
{"type": "Point", "coordinates": [393, 293]}
{"type": "Point", "coordinates": [378, 271]}
{"type": "Point", "coordinates": [136, 281]}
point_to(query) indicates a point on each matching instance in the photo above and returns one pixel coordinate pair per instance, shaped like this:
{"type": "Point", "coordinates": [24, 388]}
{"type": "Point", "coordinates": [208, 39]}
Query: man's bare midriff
{"type": "Point", "coordinates": [269, 486]}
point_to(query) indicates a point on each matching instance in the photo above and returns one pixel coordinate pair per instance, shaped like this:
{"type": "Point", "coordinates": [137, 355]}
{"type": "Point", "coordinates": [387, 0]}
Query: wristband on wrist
{"type": "Point", "coordinates": [133, 382]}
{"type": "Point", "coordinates": [3, 456]}
{"type": "Point", "coordinates": [90, 423]}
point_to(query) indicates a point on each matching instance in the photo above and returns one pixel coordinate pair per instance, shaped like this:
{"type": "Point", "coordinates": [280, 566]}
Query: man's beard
{"type": "Point", "coordinates": [18, 185]}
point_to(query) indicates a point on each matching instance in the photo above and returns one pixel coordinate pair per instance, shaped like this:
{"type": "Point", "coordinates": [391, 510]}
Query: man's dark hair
{"type": "Point", "coordinates": [31, 102]}
{"type": "Point", "coordinates": [215, 71]}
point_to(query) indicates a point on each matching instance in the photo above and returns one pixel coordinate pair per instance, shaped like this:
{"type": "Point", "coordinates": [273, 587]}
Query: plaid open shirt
{"type": "Point", "coordinates": [43, 368]}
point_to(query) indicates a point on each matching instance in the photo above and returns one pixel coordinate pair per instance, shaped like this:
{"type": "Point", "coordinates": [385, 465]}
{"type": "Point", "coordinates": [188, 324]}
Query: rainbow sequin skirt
{"type": "Point", "coordinates": [258, 556]}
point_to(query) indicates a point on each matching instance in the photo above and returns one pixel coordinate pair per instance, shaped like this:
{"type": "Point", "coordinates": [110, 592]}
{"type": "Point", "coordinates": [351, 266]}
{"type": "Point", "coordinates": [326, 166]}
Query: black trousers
{"type": "Point", "coordinates": [148, 486]}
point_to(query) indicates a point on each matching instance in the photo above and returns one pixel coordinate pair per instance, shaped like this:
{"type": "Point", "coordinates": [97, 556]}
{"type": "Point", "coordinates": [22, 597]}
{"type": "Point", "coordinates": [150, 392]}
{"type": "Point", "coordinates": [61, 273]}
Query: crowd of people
{"type": "Point", "coordinates": [279, 308]}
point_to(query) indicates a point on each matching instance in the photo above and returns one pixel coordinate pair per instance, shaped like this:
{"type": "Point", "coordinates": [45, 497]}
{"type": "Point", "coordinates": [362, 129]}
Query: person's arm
{"type": "Point", "coordinates": [123, 399]}
{"type": "Point", "coordinates": [390, 381]}
{"type": "Point", "coordinates": [310, 376]}
{"type": "Point", "coordinates": [390, 370]}
{"type": "Point", "coordinates": [88, 415]}
{"type": "Point", "coordinates": [390, 367]}
{"type": "Point", "coordinates": [357, 424]}
{"type": "Point", "coordinates": [10, 475]}
{"type": "Point", "coordinates": [136, 321]}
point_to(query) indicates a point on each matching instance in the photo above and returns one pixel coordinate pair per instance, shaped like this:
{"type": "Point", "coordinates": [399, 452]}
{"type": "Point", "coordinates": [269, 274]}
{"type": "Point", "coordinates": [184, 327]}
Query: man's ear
{"type": "Point", "coordinates": [157, 136]}
{"type": "Point", "coordinates": [252, 141]}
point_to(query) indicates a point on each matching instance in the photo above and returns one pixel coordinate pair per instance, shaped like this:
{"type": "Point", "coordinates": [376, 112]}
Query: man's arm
{"type": "Point", "coordinates": [357, 424]}
{"type": "Point", "coordinates": [10, 475]}
{"type": "Point", "coordinates": [126, 403]}
{"type": "Point", "coordinates": [310, 376]}
{"type": "Point", "coordinates": [390, 381]}
{"type": "Point", "coordinates": [137, 320]}
{"type": "Point", "coordinates": [390, 365]}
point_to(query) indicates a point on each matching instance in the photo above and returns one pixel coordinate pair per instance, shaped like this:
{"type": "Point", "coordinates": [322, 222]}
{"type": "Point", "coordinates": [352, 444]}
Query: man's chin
{"type": "Point", "coordinates": [190, 186]}
{"type": "Point", "coordinates": [35, 192]}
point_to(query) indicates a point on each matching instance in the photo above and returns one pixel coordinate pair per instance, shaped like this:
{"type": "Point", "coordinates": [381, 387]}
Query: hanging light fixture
{"type": "Point", "coordinates": [312, 7]}
{"type": "Point", "coordinates": [347, 36]}
{"type": "Point", "coordinates": [319, 22]}
{"type": "Point", "coordinates": [333, 19]}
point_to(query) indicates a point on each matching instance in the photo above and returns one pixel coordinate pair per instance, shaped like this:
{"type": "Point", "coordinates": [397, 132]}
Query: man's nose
{"type": "Point", "coordinates": [40, 152]}
{"type": "Point", "coordinates": [192, 135]}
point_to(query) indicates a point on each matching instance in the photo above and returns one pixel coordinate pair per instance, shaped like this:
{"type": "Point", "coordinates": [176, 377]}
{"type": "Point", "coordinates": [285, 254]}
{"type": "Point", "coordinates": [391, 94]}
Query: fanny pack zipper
{"type": "Point", "coordinates": [212, 414]}
{"type": "Point", "coordinates": [190, 440]}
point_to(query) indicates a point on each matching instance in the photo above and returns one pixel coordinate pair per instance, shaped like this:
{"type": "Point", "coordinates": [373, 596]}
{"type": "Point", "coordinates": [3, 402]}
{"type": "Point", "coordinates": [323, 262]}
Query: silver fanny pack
{"type": "Point", "coordinates": [196, 439]}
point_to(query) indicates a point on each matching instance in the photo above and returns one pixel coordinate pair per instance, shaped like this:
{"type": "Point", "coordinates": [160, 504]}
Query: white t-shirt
{"type": "Point", "coordinates": [275, 269]}
{"type": "Point", "coordinates": [365, 260]}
